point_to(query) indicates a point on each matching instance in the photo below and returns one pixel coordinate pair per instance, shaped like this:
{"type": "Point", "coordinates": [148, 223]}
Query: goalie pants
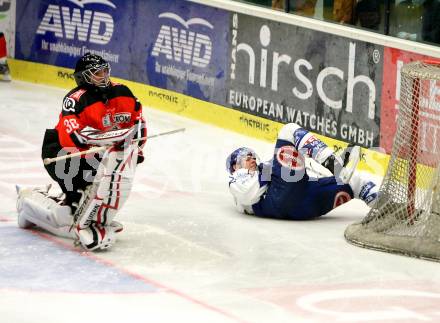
{"type": "Point", "coordinates": [302, 198]}
{"type": "Point", "coordinates": [70, 180]}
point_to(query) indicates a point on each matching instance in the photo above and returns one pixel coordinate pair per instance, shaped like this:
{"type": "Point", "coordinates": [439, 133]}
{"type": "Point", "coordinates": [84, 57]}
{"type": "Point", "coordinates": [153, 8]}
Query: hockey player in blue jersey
{"type": "Point", "coordinates": [305, 178]}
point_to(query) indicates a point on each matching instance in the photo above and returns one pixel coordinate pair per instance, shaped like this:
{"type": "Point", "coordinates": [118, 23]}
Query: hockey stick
{"type": "Point", "coordinates": [47, 161]}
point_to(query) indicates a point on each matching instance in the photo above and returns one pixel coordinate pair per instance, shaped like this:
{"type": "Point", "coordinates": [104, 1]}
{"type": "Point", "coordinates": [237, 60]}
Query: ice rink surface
{"type": "Point", "coordinates": [185, 254]}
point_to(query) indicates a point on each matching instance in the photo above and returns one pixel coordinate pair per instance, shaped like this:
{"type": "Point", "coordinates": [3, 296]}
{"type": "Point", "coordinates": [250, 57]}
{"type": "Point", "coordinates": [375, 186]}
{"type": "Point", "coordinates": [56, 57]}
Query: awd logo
{"type": "Point", "coordinates": [84, 25]}
{"type": "Point", "coordinates": [182, 44]}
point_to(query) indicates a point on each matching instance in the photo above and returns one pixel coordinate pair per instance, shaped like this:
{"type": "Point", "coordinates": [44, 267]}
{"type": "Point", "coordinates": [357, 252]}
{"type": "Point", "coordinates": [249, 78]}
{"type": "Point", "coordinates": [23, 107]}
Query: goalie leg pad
{"type": "Point", "coordinates": [117, 226]}
{"type": "Point", "coordinates": [96, 237]}
{"type": "Point", "coordinates": [34, 207]}
{"type": "Point", "coordinates": [110, 190]}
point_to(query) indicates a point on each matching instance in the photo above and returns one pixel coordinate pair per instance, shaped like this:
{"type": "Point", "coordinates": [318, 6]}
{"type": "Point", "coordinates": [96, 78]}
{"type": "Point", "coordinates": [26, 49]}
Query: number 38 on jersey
{"type": "Point", "coordinates": [71, 125]}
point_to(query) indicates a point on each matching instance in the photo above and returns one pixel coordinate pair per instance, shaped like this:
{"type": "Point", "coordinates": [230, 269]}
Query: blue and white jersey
{"type": "Point", "coordinates": [248, 187]}
{"type": "Point", "coordinates": [294, 184]}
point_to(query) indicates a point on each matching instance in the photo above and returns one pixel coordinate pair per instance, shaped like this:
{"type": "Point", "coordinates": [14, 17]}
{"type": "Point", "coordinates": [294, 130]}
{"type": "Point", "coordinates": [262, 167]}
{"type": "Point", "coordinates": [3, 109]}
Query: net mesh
{"type": "Point", "coordinates": [406, 217]}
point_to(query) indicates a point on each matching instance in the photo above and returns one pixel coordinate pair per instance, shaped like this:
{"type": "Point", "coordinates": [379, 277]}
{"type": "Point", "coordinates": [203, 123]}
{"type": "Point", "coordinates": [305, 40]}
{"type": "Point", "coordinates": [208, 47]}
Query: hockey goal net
{"type": "Point", "coordinates": [406, 217]}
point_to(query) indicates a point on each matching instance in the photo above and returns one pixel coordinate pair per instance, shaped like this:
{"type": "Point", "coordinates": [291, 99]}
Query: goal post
{"type": "Point", "coordinates": [406, 216]}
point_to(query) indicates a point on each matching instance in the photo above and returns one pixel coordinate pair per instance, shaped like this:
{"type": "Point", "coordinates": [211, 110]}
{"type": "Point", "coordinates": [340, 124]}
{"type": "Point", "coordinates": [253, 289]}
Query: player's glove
{"type": "Point", "coordinates": [118, 138]}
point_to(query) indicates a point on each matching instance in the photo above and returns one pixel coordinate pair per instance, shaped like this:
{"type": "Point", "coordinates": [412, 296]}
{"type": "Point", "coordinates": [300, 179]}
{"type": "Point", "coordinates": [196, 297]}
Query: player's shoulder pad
{"type": "Point", "coordinates": [119, 89]}
{"type": "Point", "coordinates": [71, 102]}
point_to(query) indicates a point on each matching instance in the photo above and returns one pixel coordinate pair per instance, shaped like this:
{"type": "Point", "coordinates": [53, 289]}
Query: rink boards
{"type": "Point", "coordinates": [188, 106]}
{"type": "Point", "coordinates": [250, 71]}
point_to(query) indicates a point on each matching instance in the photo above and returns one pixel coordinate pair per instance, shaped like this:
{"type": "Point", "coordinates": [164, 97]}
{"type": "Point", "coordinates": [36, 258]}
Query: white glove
{"type": "Point", "coordinates": [107, 138]}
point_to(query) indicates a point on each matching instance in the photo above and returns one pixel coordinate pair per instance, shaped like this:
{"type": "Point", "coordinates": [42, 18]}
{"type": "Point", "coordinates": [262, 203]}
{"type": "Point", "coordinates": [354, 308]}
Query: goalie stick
{"type": "Point", "coordinates": [48, 161]}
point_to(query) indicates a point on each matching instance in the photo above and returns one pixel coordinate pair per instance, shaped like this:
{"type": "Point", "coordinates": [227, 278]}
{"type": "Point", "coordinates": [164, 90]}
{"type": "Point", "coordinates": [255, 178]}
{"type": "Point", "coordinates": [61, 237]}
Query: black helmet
{"type": "Point", "coordinates": [86, 70]}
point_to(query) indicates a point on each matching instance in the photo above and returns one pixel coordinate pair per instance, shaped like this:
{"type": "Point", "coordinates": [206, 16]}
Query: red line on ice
{"type": "Point", "coordinates": [138, 276]}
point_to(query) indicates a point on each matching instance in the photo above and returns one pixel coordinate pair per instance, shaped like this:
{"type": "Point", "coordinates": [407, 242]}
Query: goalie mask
{"type": "Point", "coordinates": [92, 70]}
{"type": "Point", "coordinates": [237, 159]}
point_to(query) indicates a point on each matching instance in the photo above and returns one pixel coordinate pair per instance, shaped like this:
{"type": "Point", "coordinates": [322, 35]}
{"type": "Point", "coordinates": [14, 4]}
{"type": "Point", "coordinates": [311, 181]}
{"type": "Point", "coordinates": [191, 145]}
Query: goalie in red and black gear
{"type": "Point", "coordinates": [96, 103]}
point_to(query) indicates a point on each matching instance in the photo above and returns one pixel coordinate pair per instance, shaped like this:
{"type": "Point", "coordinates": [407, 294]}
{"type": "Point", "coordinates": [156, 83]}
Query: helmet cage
{"type": "Point", "coordinates": [91, 76]}
{"type": "Point", "coordinates": [238, 158]}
